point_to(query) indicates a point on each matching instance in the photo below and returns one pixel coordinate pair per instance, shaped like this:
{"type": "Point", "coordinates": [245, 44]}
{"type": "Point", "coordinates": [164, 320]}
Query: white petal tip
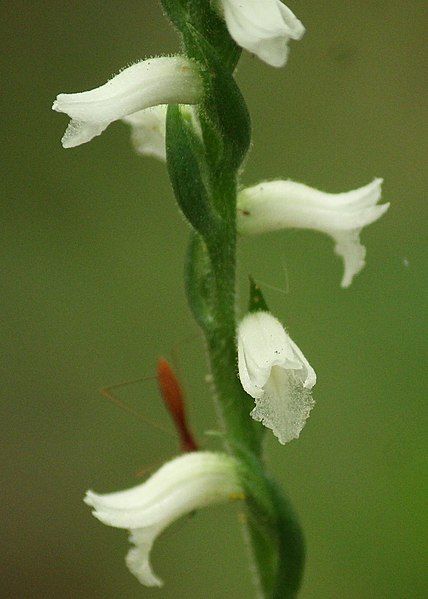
{"type": "Point", "coordinates": [384, 208]}
{"type": "Point", "coordinates": [276, 64]}
{"type": "Point", "coordinates": [310, 381]}
{"type": "Point", "coordinates": [138, 563]}
{"type": "Point", "coordinates": [89, 498]}
{"type": "Point", "coordinates": [376, 185]}
{"type": "Point", "coordinates": [66, 143]}
{"type": "Point", "coordinates": [300, 32]}
{"type": "Point", "coordinates": [59, 102]}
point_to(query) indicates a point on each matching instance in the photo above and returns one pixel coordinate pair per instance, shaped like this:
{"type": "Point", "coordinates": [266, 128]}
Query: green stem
{"type": "Point", "coordinates": [234, 404]}
{"type": "Point", "coordinates": [204, 177]}
{"type": "Point", "coordinates": [273, 530]}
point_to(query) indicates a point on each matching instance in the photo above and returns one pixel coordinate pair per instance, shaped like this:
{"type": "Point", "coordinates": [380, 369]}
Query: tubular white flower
{"type": "Point", "coordinates": [187, 483]}
{"type": "Point", "coordinates": [273, 370]}
{"type": "Point", "coordinates": [151, 82]}
{"type": "Point", "coordinates": [262, 27]}
{"type": "Point", "coordinates": [277, 205]}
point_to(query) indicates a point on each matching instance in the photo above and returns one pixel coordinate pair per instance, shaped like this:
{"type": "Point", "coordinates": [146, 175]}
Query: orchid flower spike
{"type": "Point", "coordinates": [273, 370]}
{"type": "Point", "coordinates": [277, 205]}
{"type": "Point", "coordinates": [262, 27]}
{"type": "Point", "coordinates": [179, 487]}
{"type": "Point", "coordinates": [164, 80]}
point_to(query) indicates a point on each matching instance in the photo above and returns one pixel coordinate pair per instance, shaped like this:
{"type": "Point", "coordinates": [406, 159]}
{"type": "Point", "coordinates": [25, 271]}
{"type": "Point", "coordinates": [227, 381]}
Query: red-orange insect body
{"type": "Point", "coordinates": [173, 397]}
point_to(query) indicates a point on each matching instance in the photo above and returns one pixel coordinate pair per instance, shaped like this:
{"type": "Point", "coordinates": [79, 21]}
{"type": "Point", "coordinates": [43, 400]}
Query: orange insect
{"type": "Point", "coordinates": [173, 397]}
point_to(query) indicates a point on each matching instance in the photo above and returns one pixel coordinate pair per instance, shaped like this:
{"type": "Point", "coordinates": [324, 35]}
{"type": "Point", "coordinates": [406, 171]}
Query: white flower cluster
{"type": "Point", "coordinates": [272, 369]}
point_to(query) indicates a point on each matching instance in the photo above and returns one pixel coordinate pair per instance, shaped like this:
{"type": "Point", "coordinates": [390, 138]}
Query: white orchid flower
{"type": "Point", "coordinates": [148, 129]}
{"type": "Point", "coordinates": [277, 205]}
{"type": "Point", "coordinates": [273, 370]}
{"type": "Point", "coordinates": [187, 483]}
{"type": "Point", "coordinates": [164, 80]}
{"type": "Point", "coordinates": [262, 27]}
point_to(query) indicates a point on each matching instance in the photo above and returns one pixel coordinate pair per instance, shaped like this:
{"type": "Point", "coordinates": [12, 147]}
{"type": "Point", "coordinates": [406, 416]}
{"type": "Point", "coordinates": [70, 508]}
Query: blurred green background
{"type": "Point", "coordinates": [92, 249]}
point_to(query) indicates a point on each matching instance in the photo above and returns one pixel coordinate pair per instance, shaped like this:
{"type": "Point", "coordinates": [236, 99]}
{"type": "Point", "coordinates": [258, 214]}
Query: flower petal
{"type": "Point", "coordinates": [295, 29]}
{"type": "Point", "coordinates": [353, 253]}
{"type": "Point", "coordinates": [187, 483]}
{"type": "Point", "coordinates": [277, 205]}
{"type": "Point", "coordinates": [138, 558]}
{"type": "Point", "coordinates": [285, 404]}
{"type": "Point", "coordinates": [148, 131]}
{"type": "Point", "coordinates": [263, 343]}
{"type": "Point", "coordinates": [274, 371]}
{"type": "Point", "coordinates": [262, 28]}
{"type": "Point", "coordinates": [164, 80]}
{"type": "Point", "coordinates": [307, 373]}
{"type": "Point", "coordinates": [80, 132]}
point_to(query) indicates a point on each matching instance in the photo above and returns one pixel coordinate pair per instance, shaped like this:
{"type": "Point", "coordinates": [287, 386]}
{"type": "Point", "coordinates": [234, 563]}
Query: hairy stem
{"type": "Point", "coordinates": [204, 177]}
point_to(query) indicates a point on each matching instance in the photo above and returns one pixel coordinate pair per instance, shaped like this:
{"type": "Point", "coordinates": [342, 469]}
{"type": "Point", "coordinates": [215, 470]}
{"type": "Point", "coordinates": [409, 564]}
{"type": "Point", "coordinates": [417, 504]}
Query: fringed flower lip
{"type": "Point", "coordinates": [262, 27]}
{"type": "Point", "coordinates": [186, 483]}
{"type": "Point", "coordinates": [163, 80]}
{"type": "Point", "coordinates": [274, 371]}
{"type": "Point", "coordinates": [274, 205]}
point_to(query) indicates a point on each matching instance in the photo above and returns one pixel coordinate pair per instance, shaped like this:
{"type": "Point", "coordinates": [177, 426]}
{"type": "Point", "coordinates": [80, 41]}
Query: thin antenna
{"type": "Point", "coordinates": [286, 277]}
{"type": "Point", "coordinates": [107, 392]}
{"type": "Point", "coordinates": [278, 289]}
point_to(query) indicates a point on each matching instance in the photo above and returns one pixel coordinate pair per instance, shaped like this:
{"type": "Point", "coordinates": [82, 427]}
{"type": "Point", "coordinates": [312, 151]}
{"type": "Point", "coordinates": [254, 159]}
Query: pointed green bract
{"type": "Point", "coordinates": [257, 301]}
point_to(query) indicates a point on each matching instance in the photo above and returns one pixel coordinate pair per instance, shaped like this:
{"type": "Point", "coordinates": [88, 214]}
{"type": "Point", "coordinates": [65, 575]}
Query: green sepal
{"type": "Point", "coordinates": [185, 168]}
{"type": "Point", "coordinates": [199, 282]}
{"type": "Point", "coordinates": [256, 301]}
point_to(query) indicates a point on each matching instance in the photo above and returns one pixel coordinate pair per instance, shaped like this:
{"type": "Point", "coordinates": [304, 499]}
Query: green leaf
{"type": "Point", "coordinates": [183, 151]}
{"type": "Point", "coordinates": [257, 301]}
